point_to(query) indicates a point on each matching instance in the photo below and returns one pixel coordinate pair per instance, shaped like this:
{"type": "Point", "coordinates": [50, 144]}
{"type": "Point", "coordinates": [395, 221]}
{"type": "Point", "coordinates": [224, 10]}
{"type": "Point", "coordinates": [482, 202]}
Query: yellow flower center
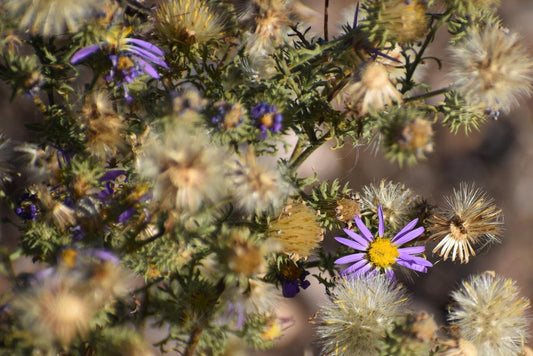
{"type": "Point", "coordinates": [267, 120]}
{"type": "Point", "coordinates": [124, 63]}
{"type": "Point", "coordinates": [382, 252]}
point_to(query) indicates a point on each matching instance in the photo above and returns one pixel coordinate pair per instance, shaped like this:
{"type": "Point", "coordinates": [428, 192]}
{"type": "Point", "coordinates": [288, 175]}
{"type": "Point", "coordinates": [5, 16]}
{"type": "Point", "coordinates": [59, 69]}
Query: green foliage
{"type": "Point", "coordinates": [459, 115]}
{"type": "Point", "coordinates": [106, 180]}
{"type": "Point", "coordinates": [325, 199]}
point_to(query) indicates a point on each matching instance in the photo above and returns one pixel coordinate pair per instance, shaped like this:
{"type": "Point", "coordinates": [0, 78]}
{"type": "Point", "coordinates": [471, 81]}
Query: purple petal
{"type": "Point", "coordinates": [415, 259]}
{"type": "Point", "coordinates": [290, 289]}
{"type": "Point", "coordinates": [356, 237]}
{"type": "Point", "coordinates": [146, 45]}
{"type": "Point", "coordinates": [412, 266]}
{"type": "Point", "coordinates": [84, 53]}
{"type": "Point", "coordinates": [405, 229]}
{"type": "Point", "coordinates": [364, 230]}
{"type": "Point", "coordinates": [353, 268]}
{"type": "Point", "coordinates": [412, 250]}
{"type": "Point", "coordinates": [381, 227]}
{"type": "Point", "coordinates": [104, 255]}
{"type": "Point", "coordinates": [126, 215]}
{"type": "Point", "coordinates": [350, 243]}
{"type": "Point", "coordinates": [112, 175]}
{"type": "Point", "coordinates": [148, 69]}
{"type": "Point", "coordinates": [409, 236]}
{"type": "Point", "coordinates": [389, 273]}
{"type": "Point", "coordinates": [373, 273]}
{"type": "Point", "coordinates": [350, 258]}
{"type": "Point", "coordinates": [147, 55]}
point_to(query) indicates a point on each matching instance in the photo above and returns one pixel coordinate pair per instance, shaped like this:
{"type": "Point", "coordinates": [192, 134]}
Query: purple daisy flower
{"type": "Point", "coordinates": [130, 57]}
{"type": "Point", "coordinates": [380, 254]}
{"type": "Point", "coordinates": [267, 118]}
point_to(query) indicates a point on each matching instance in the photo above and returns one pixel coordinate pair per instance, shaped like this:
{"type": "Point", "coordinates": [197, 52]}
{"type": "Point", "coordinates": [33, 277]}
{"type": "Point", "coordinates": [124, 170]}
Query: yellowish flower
{"type": "Point", "coordinates": [396, 20]}
{"type": "Point", "coordinates": [187, 21]}
{"type": "Point", "coordinates": [297, 231]}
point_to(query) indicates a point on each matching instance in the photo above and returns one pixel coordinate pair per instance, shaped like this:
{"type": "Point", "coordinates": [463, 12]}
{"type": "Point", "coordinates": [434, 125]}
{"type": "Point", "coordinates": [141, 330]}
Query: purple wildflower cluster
{"type": "Point", "coordinates": [267, 118]}
{"type": "Point", "coordinates": [130, 58]}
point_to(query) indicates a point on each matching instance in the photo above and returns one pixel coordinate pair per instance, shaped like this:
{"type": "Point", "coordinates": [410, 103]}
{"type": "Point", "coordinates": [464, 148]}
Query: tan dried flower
{"type": "Point", "coordinates": [371, 89]}
{"type": "Point", "coordinates": [52, 17]}
{"type": "Point", "coordinates": [103, 126]}
{"type": "Point", "coordinates": [395, 199]}
{"type": "Point", "coordinates": [491, 67]}
{"type": "Point", "coordinates": [55, 212]}
{"type": "Point", "coordinates": [187, 169]}
{"type": "Point", "coordinates": [490, 314]}
{"type": "Point", "coordinates": [257, 188]}
{"type": "Point", "coordinates": [362, 310]}
{"type": "Point", "coordinates": [469, 218]}
{"type": "Point", "coordinates": [186, 21]}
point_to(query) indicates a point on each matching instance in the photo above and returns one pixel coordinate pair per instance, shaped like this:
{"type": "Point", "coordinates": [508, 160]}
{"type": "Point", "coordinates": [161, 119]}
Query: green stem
{"type": "Point", "coordinates": [298, 148]}
{"type": "Point", "coordinates": [296, 161]}
{"type": "Point", "coordinates": [408, 84]}
{"type": "Point", "coordinates": [428, 95]}
{"type": "Point", "coordinates": [196, 333]}
{"type": "Point", "coordinates": [194, 338]}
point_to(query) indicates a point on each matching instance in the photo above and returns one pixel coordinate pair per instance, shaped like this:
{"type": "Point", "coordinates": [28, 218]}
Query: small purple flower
{"type": "Point", "coordinates": [130, 57]}
{"type": "Point", "coordinates": [27, 208]}
{"type": "Point", "coordinates": [380, 254]}
{"type": "Point", "coordinates": [292, 278]}
{"type": "Point", "coordinates": [267, 118]}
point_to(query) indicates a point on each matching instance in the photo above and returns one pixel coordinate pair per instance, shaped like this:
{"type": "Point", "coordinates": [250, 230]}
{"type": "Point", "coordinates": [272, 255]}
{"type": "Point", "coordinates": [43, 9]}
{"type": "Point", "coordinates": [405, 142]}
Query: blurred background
{"type": "Point", "coordinates": [499, 158]}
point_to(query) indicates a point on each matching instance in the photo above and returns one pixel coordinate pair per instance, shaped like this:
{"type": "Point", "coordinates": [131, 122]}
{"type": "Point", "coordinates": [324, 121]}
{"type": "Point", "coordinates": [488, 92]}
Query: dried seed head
{"type": "Point", "coordinates": [370, 89]}
{"type": "Point", "coordinates": [257, 188]}
{"type": "Point", "coordinates": [395, 198]}
{"type": "Point", "coordinates": [491, 67]}
{"type": "Point", "coordinates": [490, 314]}
{"type": "Point", "coordinates": [52, 17]}
{"type": "Point", "coordinates": [187, 21]}
{"type": "Point", "coordinates": [361, 311]}
{"type": "Point", "coordinates": [186, 168]}
{"type": "Point", "coordinates": [347, 208]}
{"type": "Point", "coordinates": [103, 126]}
{"type": "Point", "coordinates": [469, 219]}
